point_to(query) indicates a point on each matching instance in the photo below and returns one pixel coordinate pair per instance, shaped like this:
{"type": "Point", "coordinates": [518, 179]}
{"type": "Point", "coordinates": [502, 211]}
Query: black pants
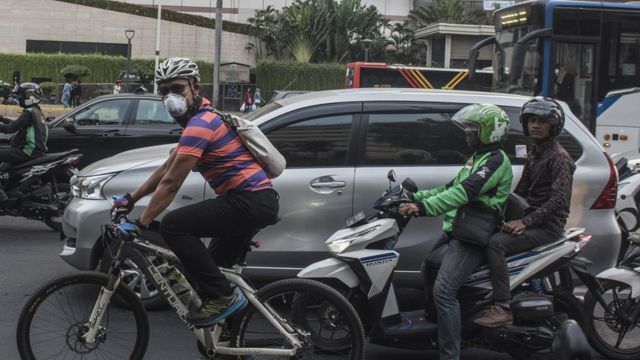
{"type": "Point", "coordinates": [502, 245]}
{"type": "Point", "coordinates": [233, 218]}
{"type": "Point", "coordinates": [13, 155]}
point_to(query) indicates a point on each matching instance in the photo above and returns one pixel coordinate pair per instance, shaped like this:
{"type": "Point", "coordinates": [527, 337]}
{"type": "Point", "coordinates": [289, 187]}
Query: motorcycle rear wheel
{"type": "Point", "coordinates": [61, 199]}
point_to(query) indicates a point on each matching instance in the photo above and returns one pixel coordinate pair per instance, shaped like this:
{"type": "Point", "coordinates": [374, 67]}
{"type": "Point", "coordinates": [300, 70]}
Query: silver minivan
{"type": "Point", "coordinates": [339, 145]}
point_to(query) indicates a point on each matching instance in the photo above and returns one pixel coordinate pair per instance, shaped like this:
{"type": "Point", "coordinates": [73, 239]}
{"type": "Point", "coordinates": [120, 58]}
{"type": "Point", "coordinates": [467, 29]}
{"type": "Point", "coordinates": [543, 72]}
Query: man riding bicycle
{"type": "Point", "coordinates": [245, 203]}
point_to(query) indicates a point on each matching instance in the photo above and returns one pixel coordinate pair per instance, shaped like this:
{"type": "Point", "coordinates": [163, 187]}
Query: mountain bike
{"type": "Point", "coordinates": [86, 315]}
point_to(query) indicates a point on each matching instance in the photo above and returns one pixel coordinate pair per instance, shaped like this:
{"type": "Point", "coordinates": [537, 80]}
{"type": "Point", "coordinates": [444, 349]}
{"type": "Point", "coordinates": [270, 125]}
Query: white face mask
{"type": "Point", "coordinates": [175, 104]}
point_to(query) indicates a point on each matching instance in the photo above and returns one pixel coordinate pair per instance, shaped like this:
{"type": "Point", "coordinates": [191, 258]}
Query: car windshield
{"type": "Point", "coordinates": [262, 111]}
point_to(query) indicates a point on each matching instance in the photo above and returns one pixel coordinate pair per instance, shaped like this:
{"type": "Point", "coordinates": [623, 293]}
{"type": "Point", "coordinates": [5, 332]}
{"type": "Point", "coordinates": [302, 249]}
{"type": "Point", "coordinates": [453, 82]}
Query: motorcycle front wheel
{"type": "Point", "coordinates": [613, 334]}
{"type": "Point", "coordinates": [54, 319]}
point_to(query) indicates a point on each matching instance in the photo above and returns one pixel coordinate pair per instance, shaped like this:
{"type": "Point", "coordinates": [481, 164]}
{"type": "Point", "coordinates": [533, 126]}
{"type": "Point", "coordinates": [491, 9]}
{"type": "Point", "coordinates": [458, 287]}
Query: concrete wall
{"type": "Point", "coordinates": [53, 20]}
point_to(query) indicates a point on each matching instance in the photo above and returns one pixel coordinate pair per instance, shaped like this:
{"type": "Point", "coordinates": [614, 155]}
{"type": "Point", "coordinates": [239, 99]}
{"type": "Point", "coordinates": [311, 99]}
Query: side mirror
{"type": "Point", "coordinates": [70, 125]}
{"type": "Point", "coordinates": [49, 119]}
{"type": "Point", "coordinates": [391, 175]}
{"type": "Point", "coordinates": [410, 185]}
{"type": "Point", "coordinates": [573, 343]}
{"type": "Point", "coordinates": [475, 52]}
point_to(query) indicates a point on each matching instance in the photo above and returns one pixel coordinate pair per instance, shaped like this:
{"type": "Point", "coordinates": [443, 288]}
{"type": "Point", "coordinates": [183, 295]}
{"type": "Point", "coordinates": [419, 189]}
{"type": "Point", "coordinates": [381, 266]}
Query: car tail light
{"type": "Point", "coordinates": [607, 199]}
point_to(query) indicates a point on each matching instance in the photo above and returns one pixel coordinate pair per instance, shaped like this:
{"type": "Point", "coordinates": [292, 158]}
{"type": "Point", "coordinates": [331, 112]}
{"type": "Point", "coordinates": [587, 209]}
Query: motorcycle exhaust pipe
{"type": "Point", "coordinates": [32, 208]}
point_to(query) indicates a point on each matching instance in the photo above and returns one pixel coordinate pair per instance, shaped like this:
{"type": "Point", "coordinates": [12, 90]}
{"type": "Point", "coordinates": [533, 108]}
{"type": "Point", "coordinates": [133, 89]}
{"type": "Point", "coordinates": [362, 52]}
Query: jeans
{"type": "Point", "coordinates": [458, 264]}
{"type": "Point", "coordinates": [234, 218]}
{"type": "Point", "coordinates": [502, 245]}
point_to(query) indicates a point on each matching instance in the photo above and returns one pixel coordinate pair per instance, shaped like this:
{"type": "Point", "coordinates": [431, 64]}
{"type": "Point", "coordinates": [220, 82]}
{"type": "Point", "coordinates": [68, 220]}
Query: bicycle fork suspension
{"type": "Point", "coordinates": [98, 311]}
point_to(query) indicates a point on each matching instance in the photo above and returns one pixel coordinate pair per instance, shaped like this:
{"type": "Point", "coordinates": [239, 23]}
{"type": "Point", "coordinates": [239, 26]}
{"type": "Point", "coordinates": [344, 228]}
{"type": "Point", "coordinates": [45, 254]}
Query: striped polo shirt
{"type": "Point", "coordinates": [223, 160]}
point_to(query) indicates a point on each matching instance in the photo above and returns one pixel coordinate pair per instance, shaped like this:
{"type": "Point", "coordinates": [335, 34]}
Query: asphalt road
{"type": "Point", "coordinates": [29, 257]}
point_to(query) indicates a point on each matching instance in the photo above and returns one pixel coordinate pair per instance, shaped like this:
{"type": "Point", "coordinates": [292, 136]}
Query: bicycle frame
{"type": "Point", "coordinates": [207, 337]}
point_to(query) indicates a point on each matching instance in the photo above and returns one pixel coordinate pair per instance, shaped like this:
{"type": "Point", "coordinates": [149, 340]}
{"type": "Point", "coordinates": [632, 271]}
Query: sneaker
{"type": "Point", "coordinates": [494, 316]}
{"type": "Point", "coordinates": [215, 310]}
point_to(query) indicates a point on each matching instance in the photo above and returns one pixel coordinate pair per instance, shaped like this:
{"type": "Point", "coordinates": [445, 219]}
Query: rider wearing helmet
{"type": "Point", "coordinates": [245, 203]}
{"type": "Point", "coordinates": [546, 184]}
{"type": "Point", "coordinates": [485, 178]}
{"type": "Point", "coordinates": [29, 131]}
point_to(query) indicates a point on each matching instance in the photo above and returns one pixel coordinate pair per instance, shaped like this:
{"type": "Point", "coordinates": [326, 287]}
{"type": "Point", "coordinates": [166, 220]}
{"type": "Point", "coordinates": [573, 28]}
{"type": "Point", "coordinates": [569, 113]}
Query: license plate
{"type": "Point", "coordinates": [356, 219]}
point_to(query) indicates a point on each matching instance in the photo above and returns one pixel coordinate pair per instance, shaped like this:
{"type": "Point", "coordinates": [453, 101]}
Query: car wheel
{"type": "Point", "coordinates": [133, 276]}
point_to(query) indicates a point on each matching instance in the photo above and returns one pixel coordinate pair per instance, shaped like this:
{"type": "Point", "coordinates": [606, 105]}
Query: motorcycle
{"type": "Point", "coordinates": [612, 305]}
{"type": "Point", "coordinates": [35, 189]}
{"type": "Point", "coordinates": [362, 268]}
{"type": "Point", "coordinates": [627, 204]}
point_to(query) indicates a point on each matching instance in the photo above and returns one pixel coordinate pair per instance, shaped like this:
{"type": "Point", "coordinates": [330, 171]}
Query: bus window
{"type": "Point", "coordinates": [573, 78]}
{"type": "Point", "coordinates": [621, 42]}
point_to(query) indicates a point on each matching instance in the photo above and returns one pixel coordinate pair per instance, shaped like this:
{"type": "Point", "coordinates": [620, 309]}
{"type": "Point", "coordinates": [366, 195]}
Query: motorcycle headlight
{"type": "Point", "coordinates": [89, 187]}
{"type": "Point", "coordinates": [339, 245]}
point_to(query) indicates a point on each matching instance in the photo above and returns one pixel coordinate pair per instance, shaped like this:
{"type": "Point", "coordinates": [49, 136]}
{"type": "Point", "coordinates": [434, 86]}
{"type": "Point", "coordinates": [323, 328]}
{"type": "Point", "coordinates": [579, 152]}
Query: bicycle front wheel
{"type": "Point", "coordinates": [326, 323]}
{"type": "Point", "coordinates": [54, 318]}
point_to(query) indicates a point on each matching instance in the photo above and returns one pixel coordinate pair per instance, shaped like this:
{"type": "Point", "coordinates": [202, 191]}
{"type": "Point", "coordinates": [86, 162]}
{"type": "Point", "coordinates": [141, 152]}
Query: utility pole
{"type": "Point", "coordinates": [216, 62]}
{"type": "Point", "coordinates": [155, 82]}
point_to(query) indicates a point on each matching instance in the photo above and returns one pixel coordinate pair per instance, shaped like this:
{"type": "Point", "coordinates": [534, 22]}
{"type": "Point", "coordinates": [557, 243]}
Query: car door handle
{"type": "Point", "coordinates": [111, 132]}
{"type": "Point", "coordinates": [328, 184]}
{"type": "Point", "coordinates": [175, 131]}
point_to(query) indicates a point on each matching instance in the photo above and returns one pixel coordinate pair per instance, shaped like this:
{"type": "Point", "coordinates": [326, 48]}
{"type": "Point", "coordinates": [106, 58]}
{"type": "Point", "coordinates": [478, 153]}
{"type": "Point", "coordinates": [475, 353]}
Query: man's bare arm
{"type": "Point", "coordinates": [152, 182]}
{"type": "Point", "coordinates": [168, 187]}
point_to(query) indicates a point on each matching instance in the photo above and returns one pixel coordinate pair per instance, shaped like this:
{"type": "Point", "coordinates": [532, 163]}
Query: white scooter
{"type": "Point", "coordinates": [363, 262]}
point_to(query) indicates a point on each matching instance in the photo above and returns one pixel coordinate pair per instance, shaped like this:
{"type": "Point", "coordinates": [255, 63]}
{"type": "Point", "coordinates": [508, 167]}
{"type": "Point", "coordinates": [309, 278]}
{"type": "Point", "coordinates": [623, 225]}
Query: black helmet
{"type": "Point", "coordinates": [29, 93]}
{"type": "Point", "coordinates": [545, 108]}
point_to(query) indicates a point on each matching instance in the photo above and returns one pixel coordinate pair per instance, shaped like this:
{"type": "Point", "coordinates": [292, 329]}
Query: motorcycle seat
{"type": "Point", "coordinates": [568, 234]}
{"type": "Point", "coordinates": [43, 159]}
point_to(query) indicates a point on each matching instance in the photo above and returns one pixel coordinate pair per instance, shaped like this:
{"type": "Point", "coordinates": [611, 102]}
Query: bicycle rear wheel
{"type": "Point", "coordinates": [327, 324]}
{"type": "Point", "coordinates": [53, 320]}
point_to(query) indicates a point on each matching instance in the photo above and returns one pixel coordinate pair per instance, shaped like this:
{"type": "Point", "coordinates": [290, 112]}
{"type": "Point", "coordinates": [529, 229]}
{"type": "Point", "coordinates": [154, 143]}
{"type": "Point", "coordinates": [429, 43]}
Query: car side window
{"type": "Point", "coordinates": [315, 142]}
{"type": "Point", "coordinates": [396, 139]}
{"type": "Point", "coordinates": [151, 112]}
{"type": "Point", "coordinates": [110, 112]}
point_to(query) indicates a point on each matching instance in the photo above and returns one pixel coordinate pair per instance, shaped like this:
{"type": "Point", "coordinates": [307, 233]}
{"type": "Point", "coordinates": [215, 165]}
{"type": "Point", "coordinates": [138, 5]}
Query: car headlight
{"type": "Point", "coordinates": [89, 187]}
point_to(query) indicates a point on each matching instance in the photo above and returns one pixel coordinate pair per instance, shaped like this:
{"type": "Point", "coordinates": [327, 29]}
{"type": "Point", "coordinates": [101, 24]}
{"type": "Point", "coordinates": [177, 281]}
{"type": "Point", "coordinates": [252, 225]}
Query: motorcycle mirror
{"type": "Point", "coordinates": [410, 185]}
{"type": "Point", "coordinates": [391, 175]}
{"type": "Point", "coordinates": [70, 125]}
{"type": "Point", "coordinates": [573, 343]}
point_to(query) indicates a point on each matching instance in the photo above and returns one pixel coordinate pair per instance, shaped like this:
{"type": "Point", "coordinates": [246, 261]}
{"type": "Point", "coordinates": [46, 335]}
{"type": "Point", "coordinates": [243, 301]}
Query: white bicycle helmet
{"type": "Point", "coordinates": [177, 68]}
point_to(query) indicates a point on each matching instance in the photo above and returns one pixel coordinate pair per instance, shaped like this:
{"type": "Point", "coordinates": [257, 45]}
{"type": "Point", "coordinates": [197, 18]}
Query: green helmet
{"type": "Point", "coordinates": [483, 124]}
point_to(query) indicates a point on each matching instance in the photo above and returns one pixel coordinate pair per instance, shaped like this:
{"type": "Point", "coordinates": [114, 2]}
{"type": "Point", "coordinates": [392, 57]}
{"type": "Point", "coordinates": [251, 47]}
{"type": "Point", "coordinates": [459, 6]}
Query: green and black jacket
{"type": "Point", "coordinates": [30, 132]}
{"type": "Point", "coordinates": [486, 178]}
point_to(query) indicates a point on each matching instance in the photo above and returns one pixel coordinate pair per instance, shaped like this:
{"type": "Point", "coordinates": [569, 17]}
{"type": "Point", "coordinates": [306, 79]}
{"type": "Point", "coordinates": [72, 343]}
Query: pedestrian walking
{"type": "Point", "coordinates": [117, 88]}
{"type": "Point", "coordinates": [66, 93]}
{"type": "Point", "coordinates": [76, 93]}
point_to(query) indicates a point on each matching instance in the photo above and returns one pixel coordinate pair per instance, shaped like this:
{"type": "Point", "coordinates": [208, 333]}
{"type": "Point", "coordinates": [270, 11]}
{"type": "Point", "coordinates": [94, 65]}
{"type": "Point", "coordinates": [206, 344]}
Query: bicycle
{"type": "Point", "coordinates": [64, 320]}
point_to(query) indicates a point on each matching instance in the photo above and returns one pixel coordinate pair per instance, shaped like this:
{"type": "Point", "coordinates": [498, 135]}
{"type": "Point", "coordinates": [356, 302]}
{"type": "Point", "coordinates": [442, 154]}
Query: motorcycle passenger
{"type": "Point", "coordinates": [29, 130]}
{"type": "Point", "coordinates": [246, 200]}
{"type": "Point", "coordinates": [546, 185]}
{"type": "Point", "coordinates": [486, 178]}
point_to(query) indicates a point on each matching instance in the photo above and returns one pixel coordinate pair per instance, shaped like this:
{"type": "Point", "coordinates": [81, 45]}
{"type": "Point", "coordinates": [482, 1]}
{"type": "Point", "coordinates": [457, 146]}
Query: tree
{"type": "Point", "coordinates": [75, 72]}
{"type": "Point", "coordinates": [447, 11]}
{"type": "Point", "coordinates": [319, 30]}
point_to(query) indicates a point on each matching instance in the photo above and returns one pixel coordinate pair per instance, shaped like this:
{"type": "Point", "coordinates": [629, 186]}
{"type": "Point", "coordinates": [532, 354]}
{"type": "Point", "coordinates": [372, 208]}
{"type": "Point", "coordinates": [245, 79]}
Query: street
{"type": "Point", "coordinates": [29, 257]}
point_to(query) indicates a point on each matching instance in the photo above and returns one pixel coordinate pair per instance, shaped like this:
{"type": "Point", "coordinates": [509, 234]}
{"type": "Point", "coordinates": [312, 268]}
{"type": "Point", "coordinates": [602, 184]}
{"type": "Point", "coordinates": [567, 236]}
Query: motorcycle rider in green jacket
{"type": "Point", "coordinates": [486, 178]}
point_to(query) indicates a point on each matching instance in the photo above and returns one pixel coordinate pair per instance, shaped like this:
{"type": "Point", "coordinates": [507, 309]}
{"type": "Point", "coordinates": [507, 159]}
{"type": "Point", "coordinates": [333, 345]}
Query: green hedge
{"type": "Point", "coordinates": [104, 69]}
{"type": "Point", "coordinates": [278, 75]}
{"type": "Point", "coordinates": [174, 16]}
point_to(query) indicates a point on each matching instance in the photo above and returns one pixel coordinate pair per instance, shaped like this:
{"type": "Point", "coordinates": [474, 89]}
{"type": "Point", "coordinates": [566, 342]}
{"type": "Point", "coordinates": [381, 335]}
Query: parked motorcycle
{"type": "Point", "coordinates": [35, 189]}
{"type": "Point", "coordinates": [363, 263]}
{"type": "Point", "coordinates": [628, 201]}
{"type": "Point", "coordinates": [612, 306]}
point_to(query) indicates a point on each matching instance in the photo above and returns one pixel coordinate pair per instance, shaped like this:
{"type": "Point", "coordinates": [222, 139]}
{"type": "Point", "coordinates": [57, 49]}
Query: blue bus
{"type": "Point", "coordinates": [584, 53]}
